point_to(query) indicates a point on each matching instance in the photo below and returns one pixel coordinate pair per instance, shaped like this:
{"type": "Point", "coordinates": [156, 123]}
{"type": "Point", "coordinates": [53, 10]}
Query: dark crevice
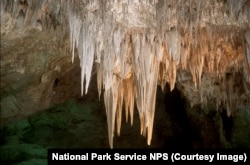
{"type": "Point", "coordinates": [227, 124]}
{"type": "Point", "coordinates": [175, 105]}
{"type": "Point", "coordinates": [56, 82]}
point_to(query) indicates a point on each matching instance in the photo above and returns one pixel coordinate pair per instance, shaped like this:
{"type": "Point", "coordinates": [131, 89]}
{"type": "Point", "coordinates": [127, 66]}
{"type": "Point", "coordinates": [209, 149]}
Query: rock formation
{"type": "Point", "coordinates": [132, 46]}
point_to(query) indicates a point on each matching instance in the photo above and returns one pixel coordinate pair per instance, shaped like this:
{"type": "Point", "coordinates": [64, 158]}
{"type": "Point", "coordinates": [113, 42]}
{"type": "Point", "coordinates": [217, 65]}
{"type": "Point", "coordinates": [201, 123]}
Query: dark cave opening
{"type": "Point", "coordinates": [227, 124]}
{"type": "Point", "coordinates": [175, 106]}
{"type": "Point", "coordinates": [194, 127]}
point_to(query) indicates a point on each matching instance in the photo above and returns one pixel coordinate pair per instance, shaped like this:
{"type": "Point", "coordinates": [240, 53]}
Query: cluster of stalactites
{"type": "Point", "coordinates": [138, 44]}
{"type": "Point", "coordinates": [23, 15]}
{"type": "Point", "coordinates": [134, 54]}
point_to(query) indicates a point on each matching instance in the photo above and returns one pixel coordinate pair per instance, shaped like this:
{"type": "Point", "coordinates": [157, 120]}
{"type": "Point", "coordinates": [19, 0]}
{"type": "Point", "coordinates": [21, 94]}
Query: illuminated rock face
{"type": "Point", "coordinates": [202, 47]}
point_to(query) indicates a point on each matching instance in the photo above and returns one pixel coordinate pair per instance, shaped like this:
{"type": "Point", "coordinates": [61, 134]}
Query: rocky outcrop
{"type": "Point", "coordinates": [31, 68]}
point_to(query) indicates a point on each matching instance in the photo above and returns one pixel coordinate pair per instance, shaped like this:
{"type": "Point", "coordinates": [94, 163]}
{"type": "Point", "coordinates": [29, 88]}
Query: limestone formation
{"type": "Point", "coordinates": [200, 47]}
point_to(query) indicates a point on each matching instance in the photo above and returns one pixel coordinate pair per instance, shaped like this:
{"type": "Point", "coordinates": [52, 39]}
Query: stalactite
{"type": "Point", "coordinates": [173, 42]}
{"type": "Point", "coordinates": [235, 7]}
{"type": "Point", "coordinates": [247, 47]}
{"type": "Point", "coordinates": [230, 102]}
{"type": "Point", "coordinates": [184, 52]}
{"type": "Point", "coordinates": [3, 5]}
{"type": "Point", "coordinates": [128, 86]}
